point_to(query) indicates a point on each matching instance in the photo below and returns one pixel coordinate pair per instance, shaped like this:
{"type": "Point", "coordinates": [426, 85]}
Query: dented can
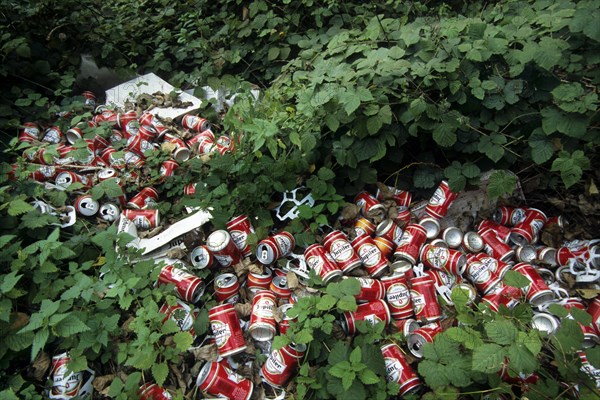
{"type": "Point", "coordinates": [284, 324]}
{"type": "Point", "coordinates": [320, 261]}
{"type": "Point", "coordinates": [481, 274]}
{"type": "Point", "coordinates": [145, 198]}
{"type": "Point", "coordinates": [502, 294]}
{"type": "Point", "coordinates": [280, 287]}
{"type": "Point", "coordinates": [262, 322]}
{"type": "Point", "coordinates": [187, 286]}
{"type": "Point", "coordinates": [527, 231]}
{"type": "Point", "coordinates": [337, 245]}
{"type": "Point", "coordinates": [67, 178]}
{"type": "Point", "coordinates": [195, 123]}
{"type": "Point", "coordinates": [109, 212]}
{"type": "Point", "coordinates": [227, 288]}
{"type": "Point", "coordinates": [275, 247]}
{"type": "Point", "coordinates": [384, 245]}
{"type": "Point", "coordinates": [225, 325]}
{"type": "Point", "coordinates": [425, 334]}
{"type": "Point", "coordinates": [412, 240]}
{"type": "Point", "coordinates": [509, 216]}
{"type": "Point", "coordinates": [256, 281]}
{"type": "Point", "coordinates": [502, 232]}
{"type": "Point", "coordinates": [52, 135]}
{"type": "Point", "coordinates": [215, 379]}
{"type": "Point", "coordinates": [239, 228]}
{"type": "Point", "coordinates": [143, 219]}
{"type": "Point", "coordinates": [69, 385]}
{"type": "Point", "coordinates": [223, 248]}
{"type": "Point", "coordinates": [370, 289]}
{"type": "Point", "coordinates": [537, 292]}
{"type": "Point", "coordinates": [397, 369]}
{"type": "Point", "coordinates": [282, 364]}
{"type": "Point", "coordinates": [389, 230]}
{"type": "Point", "coordinates": [372, 258]}
{"type": "Point", "coordinates": [452, 261]}
{"type": "Point", "coordinates": [373, 313]}
{"type": "Point", "coordinates": [368, 204]}
{"type": "Point", "coordinates": [440, 201]}
{"type": "Point", "coordinates": [496, 247]}
{"type": "Point", "coordinates": [424, 299]}
{"type": "Point", "coordinates": [397, 296]}
{"type": "Point", "coordinates": [402, 198]}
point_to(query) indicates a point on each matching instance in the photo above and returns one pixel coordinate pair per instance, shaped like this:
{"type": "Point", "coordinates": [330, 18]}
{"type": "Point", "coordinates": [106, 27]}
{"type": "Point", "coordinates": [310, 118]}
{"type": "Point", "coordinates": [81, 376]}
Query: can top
{"type": "Point", "coordinates": [473, 241]}
{"type": "Point", "coordinates": [265, 253]}
{"type": "Point", "coordinates": [225, 281]}
{"type": "Point", "coordinates": [432, 227]}
{"type": "Point", "coordinates": [453, 236]}
{"type": "Point", "coordinates": [218, 240]}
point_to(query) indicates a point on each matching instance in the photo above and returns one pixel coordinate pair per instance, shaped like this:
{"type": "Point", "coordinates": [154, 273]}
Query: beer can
{"type": "Point", "coordinates": [320, 261]}
{"type": "Point", "coordinates": [262, 322]}
{"type": "Point", "coordinates": [546, 255]}
{"type": "Point", "coordinates": [201, 257]}
{"type": "Point", "coordinates": [369, 206]}
{"type": "Point", "coordinates": [227, 288]}
{"type": "Point", "coordinates": [282, 364]}
{"type": "Point", "coordinates": [527, 231]}
{"type": "Point", "coordinates": [196, 141]}
{"type": "Point", "coordinates": [432, 227]}
{"type": "Point", "coordinates": [44, 173]}
{"type": "Point", "coordinates": [215, 379]}
{"type": "Point", "coordinates": [452, 261]}
{"type": "Point", "coordinates": [398, 370]}
{"type": "Point", "coordinates": [224, 250]}
{"type": "Point", "coordinates": [145, 198]}
{"type": "Point", "coordinates": [403, 216]}
{"type": "Point", "coordinates": [545, 322]}
{"type": "Point", "coordinates": [106, 174]}
{"type": "Point", "coordinates": [363, 226]}
{"type": "Point", "coordinates": [67, 178]}
{"type": "Point", "coordinates": [440, 201]}
{"type": "Point", "coordinates": [182, 314]}
{"type": "Point", "coordinates": [385, 246]}
{"type": "Point", "coordinates": [402, 198]}
{"type": "Point", "coordinates": [370, 289]}
{"type": "Point", "coordinates": [151, 391]}
{"type": "Point", "coordinates": [138, 145]}
{"type": "Point", "coordinates": [502, 232]}
{"type": "Point", "coordinates": [52, 135]}
{"type": "Point", "coordinates": [590, 336]}
{"type": "Point", "coordinates": [195, 123]}
{"type": "Point", "coordinates": [509, 216]}
{"type": "Point", "coordinates": [495, 247]}
{"type": "Point", "coordinates": [284, 324]}
{"type": "Point", "coordinates": [86, 205]}
{"type": "Point", "coordinates": [275, 247]}
{"type": "Point", "coordinates": [373, 313]}
{"type": "Point", "coordinates": [502, 294]}
{"type": "Point", "coordinates": [397, 296]}
{"type": "Point", "coordinates": [406, 326]}
{"type": "Point", "coordinates": [31, 129]}
{"type": "Point", "coordinates": [424, 299]}
{"type": "Point", "coordinates": [181, 152]}
{"type": "Point", "coordinates": [337, 245]}
{"type": "Point", "coordinates": [417, 339]}
{"type": "Point", "coordinates": [256, 281]}
{"type": "Point", "coordinates": [472, 242]}
{"type": "Point", "coordinates": [74, 134]}
{"type": "Point", "coordinates": [167, 169]}
{"type": "Point", "coordinates": [109, 212]}
{"type": "Point", "coordinates": [224, 143]}
{"type": "Point", "coordinates": [481, 274]}
{"type": "Point", "coordinates": [187, 286]}
{"type": "Point", "coordinates": [146, 132]}
{"type": "Point", "coordinates": [453, 237]}
{"type": "Point", "coordinates": [537, 292]}
{"type": "Point", "coordinates": [280, 287]}
{"type": "Point", "coordinates": [69, 385]}
{"type": "Point", "coordinates": [239, 228]}
{"type": "Point", "coordinates": [412, 240]}
{"type": "Point", "coordinates": [594, 310]}
{"type": "Point", "coordinates": [143, 219]}
{"type": "Point", "coordinates": [372, 258]}
{"type": "Point", "coordinates": [225, 325]}
{"type": "Point", "coordinates": [389, 230]}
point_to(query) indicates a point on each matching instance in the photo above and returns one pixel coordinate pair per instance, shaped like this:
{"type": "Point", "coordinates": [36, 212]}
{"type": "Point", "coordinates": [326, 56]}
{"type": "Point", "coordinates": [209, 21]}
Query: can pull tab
{"type": "Point", "coordinates": [445, 292]}
{"type": "Point", "coordinates": [559, 292]}
{"type": "Point", "coordinates": [418, 270]}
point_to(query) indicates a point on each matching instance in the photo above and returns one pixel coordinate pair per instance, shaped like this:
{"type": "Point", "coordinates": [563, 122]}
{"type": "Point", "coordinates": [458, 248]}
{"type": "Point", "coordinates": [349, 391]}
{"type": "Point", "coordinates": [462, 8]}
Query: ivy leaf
{"type": "Point", "coordinates": [160, 373]}
{"type": "Point", "coordinates": [183, 340]}
{"type": "Point", "coordinates": [488, 358]}
{"type": "Point", "coordinates": [501, 183]}
{"type": "Point", "coordinates": [501, 331]}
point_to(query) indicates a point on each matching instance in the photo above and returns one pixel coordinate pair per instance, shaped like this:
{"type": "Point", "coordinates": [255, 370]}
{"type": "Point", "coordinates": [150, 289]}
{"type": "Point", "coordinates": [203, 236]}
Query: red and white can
{"type": "Point", "coordinates": [503, 232]}
{"type": "Point", "coordinates": [282, 364]}
{"type": "Point", "coordinates": [181, 152]}
{"type": "Point", "coordinates": [424, 299]}
{"type": "Point", "coordinates": [502, 294]}
{"type": "Point", "coordinates": [373, 313]}
{"type": "Point", "coordinates": [398, 370]}
{"type": "Point", "coordinates": [401, 197]}
{"type": "Point", "coordinates": [363, 226]}
{"type": "Point", "coordinates": [280, 287]}
{"type": "Point", "coordinates": [215, 379]}
{"type": "Point", "coordinates": [370, 289]}
{"type": "Point", "coordinates": [262, 322]}
{"type": "Point", "coordinates": [403, 216]}
{"type": "Point", "coordinates": [372, 258]}
{"type": "Point", "coordinates": [368, 204]}
{"type": "Point", "coordinates": [138, 145]}
{"type": "Point", "coordinates": [452, 261]}
{"type": "Point", "coordinates": [527, 231]}
{"type": "Point", "coordinates": [389, 230]}
{"type": "Point", "coordinates": [167, 169]}
{"type": "Point", "coordinates": [337, 245]}
{"type": "Point", "coordinates": [509, 216]}
{"type": "Point", "coordinates": [203, 137]}
{"type": "Point", "coordinates": [227, 288]}
{"type": "Point", "coordinates": [284, 324]}
{"type": "Point", "coordinates": [106, 174]}
{"type": "Point", "coordinates": [52, 135]}
{"type": "Point", "coordinates": [496, 247]}
{"type": "Point", "coordinates": [151, 391]}
{"type": "Point", "coordinates": [31, 129]}
{"type": "Point", "coordinates": [481, 274]}
{"type": "Point", "coordinates": [145, 198]}
{"type": "Point", "coordinates": [397, 296]}
{"type": "Point", "coordinates": [590, 336]}
{"type": "Point", "coordinates": [320, 261]}
{"type": "Point", "coordinates": [224, 143]}
{"type": "Point", "coordinates": [412, 240]}
{"type": "Point", "coordinates": [143, 219]}
{"type": "Point", "coordinates": [69, 385]}
{"type": "Point", "coordinates": [181, 314]}
{"type": "Point", "coordinates": [537, 292]}
{"type": "Point", "coordinates": [275, 247]}
{"type": "Point", "coordinates": [67, 178]}
{"type": "Point", "coordinates": [225, 325]}
{"type": "Point", "coordinates": [201, 257]}
{"type": "Point", "coordinates": [195, 123]}
{"type": "Point", "coordinates": [86, 205]}
{"type": "Point", "coordinates": [440, 201]}
{"type": "Point", "coordinates": [187, 286]}
{"type": "Point", "coordinates": [594, 310]}
{"type": "Point", "coordinates": [572, 250]}
{"type": "Point", "coordinates": [239, 228]}
{"type": "Point", "coordinates": [425, 334]}
{"type": "Point", "coordinates": [385, 246]}
{"type": "Point", "coordinates": [224, 250]}
{"type": "Point", "coordinates": [256, 282]}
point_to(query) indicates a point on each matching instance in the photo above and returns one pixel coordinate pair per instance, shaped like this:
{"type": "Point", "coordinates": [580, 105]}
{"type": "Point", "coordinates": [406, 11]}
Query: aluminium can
{"type": "Point", "coordinates": [440, 201]}
{"type": "Point", "coordinates": [397, 369]}
{"type": "Point", "coordinates": [182, 314]}
{"type": "Point", "coordinates": [239, 228]}
{"type": "Point", "coordinates": [262, 321]}
{"type": "Point", "coordinates": [409, 248]}
{"type": "Point", "coordinates": [397, 296]}
{"type": "Point", "coordinates": [223, 248]}
{"type": "Point", "coordinates": [373, 313]}
{"type": "Point", "coordinates": [282, 364]}
{"type": "Point", "coordinates": [373, 260]}
{"type": "Point", "coordinates": [320, 261]}
{"type": "Point", "coordinates": [69, 385]}
{"type": "Point", "coordinates": [338, 246]}
{"type": "Point", "coordinates": [215, 379]}
{"type": "Point", "coordinates": [424, 299]}
{"type": "Point", "coordinates": [187, 286]}
{"type": "Point", "coordinates": [226, 327]}
{"type": "Point", "coordinates": [425, 334]}
{"type": "Point", "coordinates": [227, 288]}
{"type": "Point", "coordinates": [143, 219]}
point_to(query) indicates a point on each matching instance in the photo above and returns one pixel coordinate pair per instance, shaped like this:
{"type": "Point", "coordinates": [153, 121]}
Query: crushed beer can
{"type": "Point", "coordinates": [69, 385]}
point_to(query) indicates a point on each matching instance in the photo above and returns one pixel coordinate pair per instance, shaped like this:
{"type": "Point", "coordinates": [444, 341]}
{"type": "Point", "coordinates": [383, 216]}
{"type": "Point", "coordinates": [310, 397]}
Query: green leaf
{"type": "Point", "coordinates": [581, 316]}
{"type": "Point", "coordinates": [469, 337]}
{"type": "Point", "coordinates": [160, 373]}
{"type": "Point", "coordinates": [340, 369]}
{"type": "Point", "coordinates": [521, 360]}
{"type": "Point", "coordinates": [549, 52]}
{"type": "Point", "coordinates": [183, 340]}
{"type": "Point", "coordinates": [327, 302]}
{"type": "Point", "coordinates": [558, 310]}
{"type": "Point", "coordinates": [444, 134]}
{"type": "Point", "coordinates": [348, 379]}
{"type": "Point", "coordinates": [554, 120]}
{"type": "Point", "coordinates": [116, 387]}
{"type": "Point", "coordinates": [368, 377]}
{"type": "Point", "coordinates": [350, 287]}
{"type": "Point", "coordinates": [5, 239]}
{"type": "Point", "coordinates": [347, 303]}
{"type": "Point", "coordinates": [492, 147]}
{"type": "Point", "coordinates": [355, 355]}
{"type": "Point", "coordinates": [501, 183]}
{"type": "Point", "coordinates": [488, 358]}
{"type": "Point", "coordinates": [70, 326]}
{"type": "Point", "coordinates": [273, 53]}
{"type": "Point", "coordinates": [18, 207]}
{"type": "Point", "coordinates": [501, 331]}
{"type": "Point", "coordinates": [326, 174]}
{"type": "Point", "coordinates": [350, 100]}
{"type": "Point", "coordinates": [304, 336]}
{"type": "Point", "coordinates": [542, 148]}
{"type": "Point", "coordinates": [434, 374]}
{"type": "Point", "coordinates": [569, 335]}
{"type": "Point", "coordinates": [515, 279]}
{"type": "Point", "coordinates": [39, 341]}
{"type": "Point", "coordinates": [339, 353]}
{"type": "Point", "coordinates": [9, 281]}
{"type": "Point", "coordinates": [332, 122]}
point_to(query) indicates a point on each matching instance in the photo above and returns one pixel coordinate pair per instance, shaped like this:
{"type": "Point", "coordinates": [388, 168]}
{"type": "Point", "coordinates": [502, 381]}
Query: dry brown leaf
{"type": "Point", "coordinates": [592, 189]}
{"type": "Point", "coordinates": [18, 320]}
{"type": "Point", "coordinates": [102, 383]}
{"type": "Point", "coordinates": [176, 371]}
{"type": "Point", "coordinates": [588, 293]}
{"type": "Point", "coordinates": [349, 212]}
{"type": "Point", "coordinates": [258, 269]}
{"type": "Point", "coordinates": [37, 369]}
{"type": "Point", "coordinates": [292, 280]}
{"type": "Point", "coordinates": [177, 253]}
{"type": "Point", "coordinates": [243, 310]}
{"type": "Point", "coordinates": [207, 352]}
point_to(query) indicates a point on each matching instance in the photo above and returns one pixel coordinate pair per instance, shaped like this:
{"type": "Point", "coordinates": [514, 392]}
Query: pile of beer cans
{"type": "Point", "coordinates": [407, 265]}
